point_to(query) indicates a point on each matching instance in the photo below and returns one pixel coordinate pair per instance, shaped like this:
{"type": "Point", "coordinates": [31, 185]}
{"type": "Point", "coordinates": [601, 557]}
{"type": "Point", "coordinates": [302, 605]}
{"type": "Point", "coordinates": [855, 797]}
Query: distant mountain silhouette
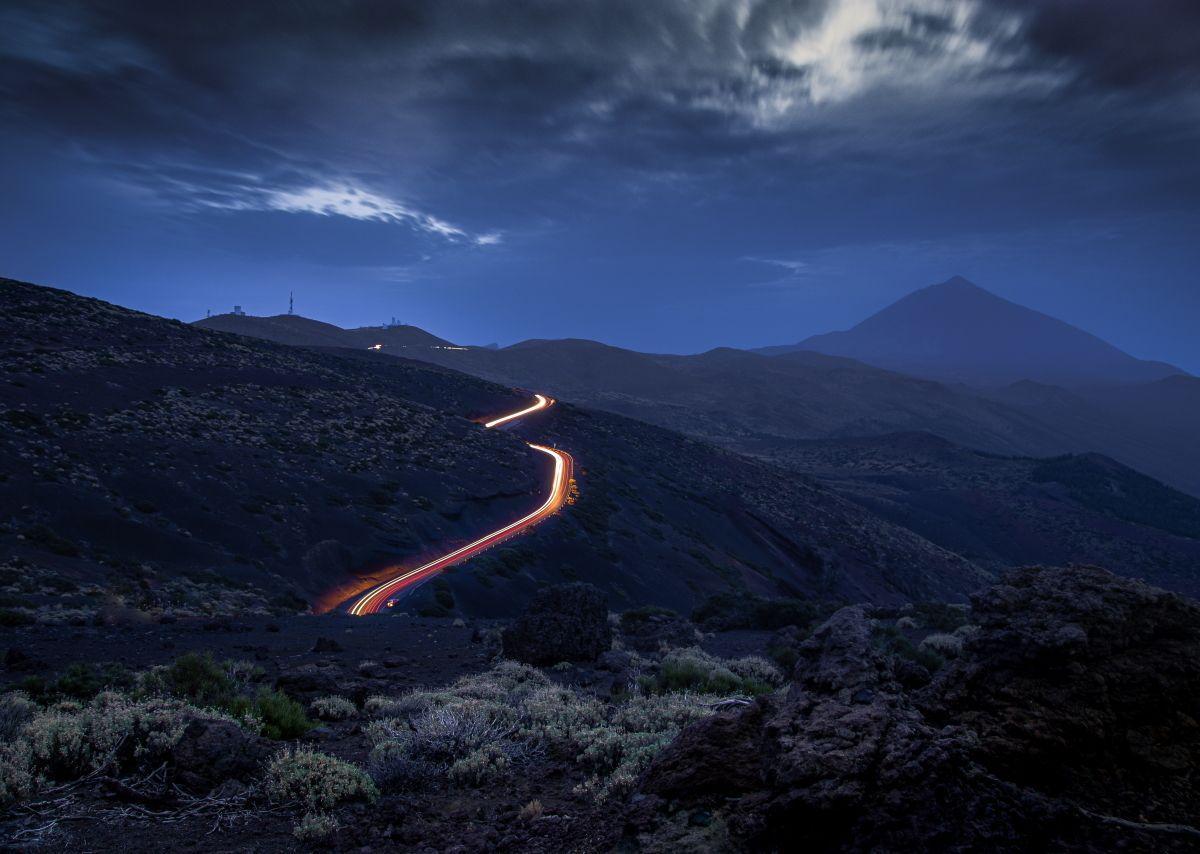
{"type": "Point", "coordinates": [305, 332]}
{"type": "Point", "coordinates": [741, 399]}
{"type": "Point", "coordinates": [958, 332]}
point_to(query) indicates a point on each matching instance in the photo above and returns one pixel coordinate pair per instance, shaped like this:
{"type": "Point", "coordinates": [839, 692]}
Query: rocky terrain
{"type": "Point", "coordinates": [1065, 720]}
{"type": "Point", "coordinates": [1057, 711]}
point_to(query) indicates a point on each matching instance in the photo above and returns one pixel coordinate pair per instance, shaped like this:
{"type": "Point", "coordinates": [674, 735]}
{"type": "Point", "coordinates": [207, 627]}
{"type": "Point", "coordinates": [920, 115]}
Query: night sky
{"type": "Point", "coordinates": [669, 175]}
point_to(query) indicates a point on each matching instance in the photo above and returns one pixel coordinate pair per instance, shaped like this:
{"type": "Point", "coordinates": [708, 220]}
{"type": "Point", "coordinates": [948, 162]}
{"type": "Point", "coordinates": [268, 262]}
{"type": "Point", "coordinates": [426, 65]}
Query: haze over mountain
{"type": "Point", "coordinates": [956, 331]}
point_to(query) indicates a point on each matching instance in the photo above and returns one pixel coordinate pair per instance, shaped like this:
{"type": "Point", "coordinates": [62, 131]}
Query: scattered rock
{"type": "Point", "coordinates": [567, 622]}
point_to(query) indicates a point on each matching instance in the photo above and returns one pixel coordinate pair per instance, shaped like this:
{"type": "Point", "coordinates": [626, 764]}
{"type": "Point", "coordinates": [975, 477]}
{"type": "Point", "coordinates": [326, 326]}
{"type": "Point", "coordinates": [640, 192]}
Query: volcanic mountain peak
{"type": "Point", "coordinates": [957, 331]}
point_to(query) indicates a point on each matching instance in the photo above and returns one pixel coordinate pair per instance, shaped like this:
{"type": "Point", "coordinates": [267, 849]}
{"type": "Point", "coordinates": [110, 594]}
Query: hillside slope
{"type": "Point", "coordinates": [958, 332]}
{"type": "Point", "coordinates": [150, 464]}
{"type": "Point", "coordinates": [739, 399]}
{"type": "Point", "coordinates": [1012, 511]}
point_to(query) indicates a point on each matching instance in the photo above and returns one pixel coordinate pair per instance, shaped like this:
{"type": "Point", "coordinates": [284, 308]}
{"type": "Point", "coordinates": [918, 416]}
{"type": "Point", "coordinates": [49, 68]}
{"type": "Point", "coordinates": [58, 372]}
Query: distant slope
{"type": "Point", "coordinates": [1004, 511]}
{"type": "Point", "coordinates": [148, 463]}
{"type": "Point", "coordinates": [302, 331]}
{"type": "Point", "coordinates": [958, 332]}
{"type": "Point", "coordinates": [729, 396]}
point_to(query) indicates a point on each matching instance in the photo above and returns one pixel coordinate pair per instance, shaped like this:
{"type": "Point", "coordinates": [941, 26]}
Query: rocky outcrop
{"type": "Point", "coordinates": [850, 759]}
{"type": "Point", "coordinates": [212, 752]}
{"type": "Point", "coordinates": [1086, 686]}
{"type": "Point", "coordinates": [568, 622]}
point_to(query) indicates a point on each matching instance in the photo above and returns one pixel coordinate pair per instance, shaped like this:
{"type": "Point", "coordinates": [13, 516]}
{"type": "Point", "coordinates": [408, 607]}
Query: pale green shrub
{"type": "Point", "coordinates": [317, 780]}
{"type": "Point", "coordinates": [693, 669]}
{"type": "Point", "coordinates": [943, 644]}
{"type": "Point", "coordinates": [316, 826]}
{"type": "Point", "coordinates": [479, 729]}
{"type": "Point", "coordinates": [333, 708]}
{"type": "Point", "coordinates": [487, 764]}
{"type": "Point", "coordinates": [757, 670]}
{"type": "Point", "coordinates": [16, 710]}
{"type": "Point", "coordinates": [16, 776]}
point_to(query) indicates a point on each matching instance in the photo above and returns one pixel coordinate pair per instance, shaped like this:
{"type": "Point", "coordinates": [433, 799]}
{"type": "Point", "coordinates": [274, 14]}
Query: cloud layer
{"type": "Point", "coordinates": [634, 150]}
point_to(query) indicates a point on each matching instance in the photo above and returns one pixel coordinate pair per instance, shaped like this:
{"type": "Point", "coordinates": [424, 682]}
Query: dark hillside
{"type": "Point", "coordinates": [1003, 511]}
{"type": "Point", "coordinates": [149, 464]}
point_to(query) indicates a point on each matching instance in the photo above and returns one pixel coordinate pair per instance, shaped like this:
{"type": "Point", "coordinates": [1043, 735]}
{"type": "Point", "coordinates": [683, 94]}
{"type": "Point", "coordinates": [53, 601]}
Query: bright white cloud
{"type": "Point", "coordinates": [356, 203]}
{"type": "Point", "coordinates": [339, 199]}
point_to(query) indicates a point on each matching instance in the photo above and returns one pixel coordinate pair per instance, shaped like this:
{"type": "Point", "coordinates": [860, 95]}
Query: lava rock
{"type": "Point", "coordinates": [567, 622]}
{"type": "Point", "coordinates": [325, 644]}
{"type": "Point", "coordinates": [211, 752]}
{"type": "Point", "coordinates": [1069, 721]}
{"type": "Point", "coordinates": [1086, 685]}
{"type": "Point", "coordinates": [308, 680]}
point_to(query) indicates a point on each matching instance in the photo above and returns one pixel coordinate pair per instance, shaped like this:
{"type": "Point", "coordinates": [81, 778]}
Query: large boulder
{"type": "Point", "coordinates": [850, 759]}
{"type": "Point", "coordinates": [212, 751]}
{"type": "Point", "coordinates": [567, 622]}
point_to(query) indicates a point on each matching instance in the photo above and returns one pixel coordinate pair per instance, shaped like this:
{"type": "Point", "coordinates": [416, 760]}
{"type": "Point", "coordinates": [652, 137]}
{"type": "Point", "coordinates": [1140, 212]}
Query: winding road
{"type": "Point", "coordinates": [378, 598]}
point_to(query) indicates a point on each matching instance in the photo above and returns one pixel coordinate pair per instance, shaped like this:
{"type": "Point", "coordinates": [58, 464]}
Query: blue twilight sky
{"type": "Point", "coordinates": [668, 175]}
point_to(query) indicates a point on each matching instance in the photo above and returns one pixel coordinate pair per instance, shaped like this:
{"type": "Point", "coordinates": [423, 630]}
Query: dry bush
{"type": "Point", "coordinates": [333, 708]}
{"type": "Point", "coordinates": [316, 780]}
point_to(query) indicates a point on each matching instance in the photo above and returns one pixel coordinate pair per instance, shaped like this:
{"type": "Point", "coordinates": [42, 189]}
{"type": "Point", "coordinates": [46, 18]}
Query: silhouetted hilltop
{"type": "Point", "coordinates": [305, 332]}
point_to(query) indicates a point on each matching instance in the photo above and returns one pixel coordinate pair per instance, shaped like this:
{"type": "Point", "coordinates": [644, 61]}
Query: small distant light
{"type": "Point", "coordinates": [375, 347]}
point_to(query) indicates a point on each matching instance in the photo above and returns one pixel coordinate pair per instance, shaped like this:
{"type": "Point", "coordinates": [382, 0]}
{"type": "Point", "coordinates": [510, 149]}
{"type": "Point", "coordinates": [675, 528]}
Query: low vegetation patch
{"type": "Point", "coordinates": [695, 670]}
{"type": "Point", "coordinates": [333, 708]}
{"type": "Point", "coordinates": [482, 728]}
{"type": "Point", "coordinates": [227, 686]}
{"type": "Point", "coordinates": [67, 740]}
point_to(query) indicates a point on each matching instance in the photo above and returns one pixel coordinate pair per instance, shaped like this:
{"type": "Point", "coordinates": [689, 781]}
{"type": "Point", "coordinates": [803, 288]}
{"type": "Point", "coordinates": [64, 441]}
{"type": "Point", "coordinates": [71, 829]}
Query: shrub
{"type": "Point", "coordinates": [193, 677]}
{"type": "Point", "coordinates": [281, 716]}
{"type": "Point", "coordinates": [695, 670]}
{"type": "Point", "coordinates": [531, 811]}
{"type": "Point", "coordinates": [316, 826]}
{"type": "Point", "coordinates": [480, 728]}
{"type": "Point", "coordinates": [333, 708]}
{"type": "Point", "coordinates": [317, 780]}
{"type": "Point", "coordinates": [82, 681]}
{"type": "Point", "coordinates": [16, 710]}
{"type": "Point", "coordinates": [948, 646]}
{"type": "Point", "coordinates": [69, 740]}
{"type": "Point", "coordinates": [481, 766]}
{"type": "Point", "coordinates": [940, 616]}
{"type": "Point", "coordinates": [892, 642]}
{"type": "Point", "coordinates": [201, 681]}
{"type": "Point", "coordinates": [16, 778]}
{"type": "Point", "coordinates": [11, 618]}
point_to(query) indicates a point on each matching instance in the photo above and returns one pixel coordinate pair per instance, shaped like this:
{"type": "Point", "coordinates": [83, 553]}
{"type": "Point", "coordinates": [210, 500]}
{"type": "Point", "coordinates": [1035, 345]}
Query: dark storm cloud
{"type": "Point", "coordinates": [1117, 42]}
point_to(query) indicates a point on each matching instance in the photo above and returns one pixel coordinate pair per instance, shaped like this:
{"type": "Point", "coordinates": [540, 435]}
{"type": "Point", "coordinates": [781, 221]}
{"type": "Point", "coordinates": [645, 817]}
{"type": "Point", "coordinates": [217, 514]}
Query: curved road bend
{"type": "Point", "coordinates": [376, 599]}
